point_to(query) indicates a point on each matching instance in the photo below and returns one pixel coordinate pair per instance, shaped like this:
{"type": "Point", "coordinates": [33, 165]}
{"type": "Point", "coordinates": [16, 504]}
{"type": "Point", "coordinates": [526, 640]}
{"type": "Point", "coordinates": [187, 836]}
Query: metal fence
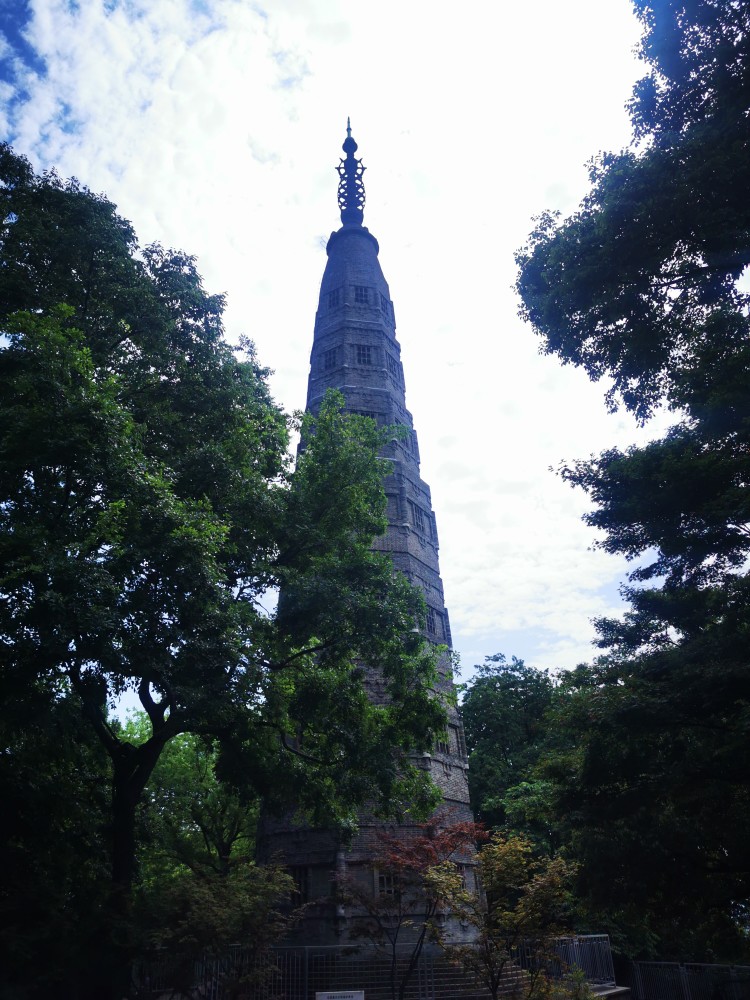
{"type": "Point", "coordinates": [297, 973]}
{"type": "Point", "coordinates": [691, 981]}
{"type": "Point", "coordinates": [589, 952]}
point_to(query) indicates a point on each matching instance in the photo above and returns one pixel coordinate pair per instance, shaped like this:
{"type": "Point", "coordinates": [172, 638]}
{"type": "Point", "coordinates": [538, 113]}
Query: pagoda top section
{"type": "Point", "coordinates": [351, 192]}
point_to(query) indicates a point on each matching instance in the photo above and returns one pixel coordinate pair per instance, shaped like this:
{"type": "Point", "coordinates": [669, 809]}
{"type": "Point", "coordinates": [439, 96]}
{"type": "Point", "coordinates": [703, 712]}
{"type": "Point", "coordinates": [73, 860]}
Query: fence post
{"type": "Point", "coordinates": [685, 983]}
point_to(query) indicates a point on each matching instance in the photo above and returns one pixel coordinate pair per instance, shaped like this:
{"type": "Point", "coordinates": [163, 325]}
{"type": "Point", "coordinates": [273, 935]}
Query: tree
{"type": "Point", "coordinates": [405, 910]}
{"type": "Point", "coordinates": [53, 788]}
{"type": "Point", "coordinates": [147, 506]}
{"type": "Point", "coordinates": [642, 286]}
{"type": "Point", "coordinates": [201, 902]}
{"type": "Point", "coordinates": [521, 908]}
{"type": "Point", "coordinates": [222, 923]}
{"type": "Point", "coordinates": [188, 819]}
{"type": "Point", "coordinates": [650, 801]}
{"type": "Point", "coordinates": [640, 283]}
{"type": "Point", "coordinates": [503, 711]}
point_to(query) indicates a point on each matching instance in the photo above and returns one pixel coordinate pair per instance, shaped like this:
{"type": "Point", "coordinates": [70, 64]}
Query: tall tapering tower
{"type": "Point", "coordinates": [355, 350]}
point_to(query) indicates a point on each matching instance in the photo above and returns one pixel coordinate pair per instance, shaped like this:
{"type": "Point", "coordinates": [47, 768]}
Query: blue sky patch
{"type": "Point", "coordinates": [17, 56]}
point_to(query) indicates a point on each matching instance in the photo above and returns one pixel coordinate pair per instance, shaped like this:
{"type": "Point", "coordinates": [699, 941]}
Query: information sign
{"type": "Point", "coordinates": [342, 995]}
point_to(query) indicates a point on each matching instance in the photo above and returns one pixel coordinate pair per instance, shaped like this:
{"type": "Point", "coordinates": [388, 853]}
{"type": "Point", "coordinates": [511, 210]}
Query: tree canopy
{"type": "Point", "coordinates": [523, 905]}
{"type": "Point", "coordinates": [640, 284]}
{"type": "Point", "coordinates": [148, 508]}
{"type": "Point", "coordinates": [504, 708]}
{"type": "Point", "coordinates": [645, 287]}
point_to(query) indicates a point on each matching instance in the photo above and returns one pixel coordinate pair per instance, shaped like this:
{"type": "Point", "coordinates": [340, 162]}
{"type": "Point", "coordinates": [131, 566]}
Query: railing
{"type": "Point", "coordinates": [691, 981]}
{"type": "Point", "coordinates": [297, 973]}
{"type": "Point", "coordinates": [589, 952]}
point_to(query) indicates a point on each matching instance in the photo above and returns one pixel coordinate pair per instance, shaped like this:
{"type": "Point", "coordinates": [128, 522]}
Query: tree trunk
{"type": "Point", "coordinates": [114, 950]}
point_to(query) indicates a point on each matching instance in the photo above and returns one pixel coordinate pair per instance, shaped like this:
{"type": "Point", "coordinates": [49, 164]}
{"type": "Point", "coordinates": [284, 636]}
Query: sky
{"type": "Point", "coordinates": [216, 126]}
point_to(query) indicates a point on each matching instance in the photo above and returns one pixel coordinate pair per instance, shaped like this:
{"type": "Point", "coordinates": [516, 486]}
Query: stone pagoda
{"type": "Point", "coordinates": [355, 351]}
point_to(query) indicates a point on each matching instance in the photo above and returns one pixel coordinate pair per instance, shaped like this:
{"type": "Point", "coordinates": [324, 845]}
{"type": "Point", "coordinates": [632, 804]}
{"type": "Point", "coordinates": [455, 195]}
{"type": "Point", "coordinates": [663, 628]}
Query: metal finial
{"type": "Point", "coordinates": [351, 192]}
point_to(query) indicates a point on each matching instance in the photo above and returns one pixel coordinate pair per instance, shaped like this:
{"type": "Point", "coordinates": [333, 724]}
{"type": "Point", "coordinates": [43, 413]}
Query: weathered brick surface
{"type": "Point", "coordinates": [355, 351]}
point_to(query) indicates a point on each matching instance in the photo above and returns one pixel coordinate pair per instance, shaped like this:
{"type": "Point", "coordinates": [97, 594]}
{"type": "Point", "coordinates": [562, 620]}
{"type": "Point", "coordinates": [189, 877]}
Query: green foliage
{"type": "Point", "coordinates": [697, 56]}
{"type": "Point", "coordinates": [148, 507]}
{"type": "Point", "coordinates": [189, 821]}
{"type": "Point", "coordinates": [202, 916]}
{"type": "Point", "coordinates": [640, 284]}
{"type": "Point", "coordinates": [642, 287]}
{"type": "Point", "coordinates": [503, 711]}
{"type": "Point", "coordinates": [529, 807]}
{"type": "Point", "coordinates": [573, 986]}
{"type": "Point", "coordinates": [199, 894]}
{"type": "Point", "coordinates": [522, 907]}
{"type": "Point", "coordinates": [341, 607]}
{"type": "Point", "coordinates": [653, 799]}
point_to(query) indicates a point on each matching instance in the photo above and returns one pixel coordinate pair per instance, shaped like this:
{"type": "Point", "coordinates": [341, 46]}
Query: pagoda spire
{"type": "Point", "coordinates": [351, 192]}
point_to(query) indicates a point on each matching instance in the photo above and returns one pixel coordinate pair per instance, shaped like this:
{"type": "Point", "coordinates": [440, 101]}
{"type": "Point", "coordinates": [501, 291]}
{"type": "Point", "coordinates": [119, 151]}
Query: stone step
{"type": "Point", "coordinates": [612, 992]}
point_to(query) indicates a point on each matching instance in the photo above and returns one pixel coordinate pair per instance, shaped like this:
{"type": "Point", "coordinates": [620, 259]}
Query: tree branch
{"type": "Point", "coordinates": [156, 711]}
{"type": "Point", "coordinates": [300, 653]}
{"type": "Point", "coordinates": [298, 753]}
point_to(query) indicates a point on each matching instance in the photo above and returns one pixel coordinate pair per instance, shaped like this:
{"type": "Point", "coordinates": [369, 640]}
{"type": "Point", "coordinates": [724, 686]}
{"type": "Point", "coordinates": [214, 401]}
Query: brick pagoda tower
{"type": "Point", "coordinates": [355, 350]}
